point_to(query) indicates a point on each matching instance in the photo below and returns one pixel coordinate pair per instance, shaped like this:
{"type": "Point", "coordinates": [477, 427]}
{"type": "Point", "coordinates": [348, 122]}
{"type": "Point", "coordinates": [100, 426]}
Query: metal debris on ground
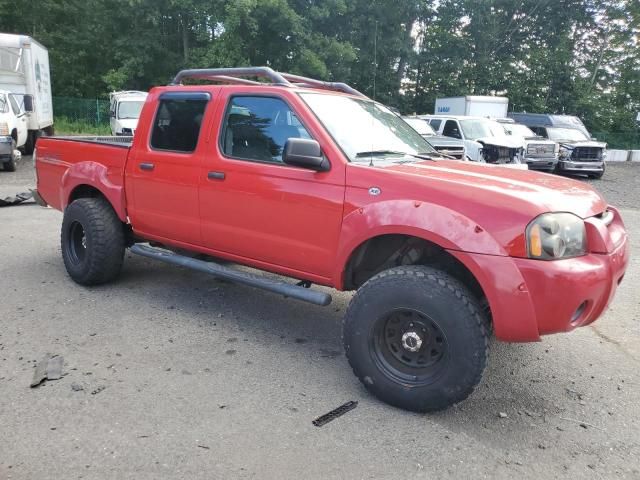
{"type": "Point", "coordinates": [15, 200]}
{"type": "Point", "coordinates": [333, 414]}
{"type": "Point", "coordinates": [49, 368]}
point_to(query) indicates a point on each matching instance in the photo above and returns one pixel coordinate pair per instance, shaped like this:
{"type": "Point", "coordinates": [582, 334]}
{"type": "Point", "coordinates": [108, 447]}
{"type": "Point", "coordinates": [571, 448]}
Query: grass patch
{"type": "Point", "coordinates": [65, 126]}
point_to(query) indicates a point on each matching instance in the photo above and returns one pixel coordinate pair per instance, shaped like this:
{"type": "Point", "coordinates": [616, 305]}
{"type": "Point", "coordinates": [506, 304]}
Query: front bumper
{"type": "Point", "coordinates": [573, 166]}
{"type": "Point", "coordinates": [529, 298]}
{"type": "Point", "coordinates": [5, 147]}
{"type": "Point", "coordinates": [540, 163]}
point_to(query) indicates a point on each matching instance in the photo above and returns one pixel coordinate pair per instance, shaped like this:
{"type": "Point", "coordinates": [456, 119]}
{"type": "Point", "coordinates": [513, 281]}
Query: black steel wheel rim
{"type": "Point", "coordinates": [409, 346]}
{"type": "Point", "coordinates": [77, 243]}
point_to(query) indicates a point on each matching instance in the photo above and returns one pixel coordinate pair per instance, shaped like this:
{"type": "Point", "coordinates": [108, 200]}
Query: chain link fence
{"type": "Point", "coordinates": [93, 112]}
{"type": "Point", "coordinates": [619, 140]}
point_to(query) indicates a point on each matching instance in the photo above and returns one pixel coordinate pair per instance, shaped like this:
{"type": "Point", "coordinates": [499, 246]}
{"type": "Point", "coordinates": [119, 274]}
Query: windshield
{"type": "Point", "coordinates": [518, 130]}
{"type": "Point", "coordinates": [480, 128]}
{"type": "Point", "coordinates": [558, 134]}
{"type": "Point", "coordinates": [130, 109]}
{"type": "Point", "coordinates": [420, 126]}
{"type": "Point", "coordinates": [4, 105]}
{"type": "Point", "coordinates": [362, 126]}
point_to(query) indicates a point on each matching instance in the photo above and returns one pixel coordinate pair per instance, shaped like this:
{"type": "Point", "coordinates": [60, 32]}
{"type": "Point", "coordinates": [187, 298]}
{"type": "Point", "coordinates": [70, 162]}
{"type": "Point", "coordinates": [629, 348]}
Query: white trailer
{"type": "Point", "coordinates": [473, 106]}
{"type": "Point", "coordinates": [24, 71]}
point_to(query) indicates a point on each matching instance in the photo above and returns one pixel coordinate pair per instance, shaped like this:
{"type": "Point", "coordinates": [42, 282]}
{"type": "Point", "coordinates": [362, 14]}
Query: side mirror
{"type": "Point", "coordinates": [112, 114]}
{"type": "Point", "coordinates": [27, 102]}
{"type": "Point", "coordinates": [305, 153]}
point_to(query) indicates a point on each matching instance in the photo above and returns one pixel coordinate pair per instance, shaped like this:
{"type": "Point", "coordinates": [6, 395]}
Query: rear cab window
{"type": "Point", "coordinates": [178, 121]}
{"type": "Point", "coordinates": [256, 128]}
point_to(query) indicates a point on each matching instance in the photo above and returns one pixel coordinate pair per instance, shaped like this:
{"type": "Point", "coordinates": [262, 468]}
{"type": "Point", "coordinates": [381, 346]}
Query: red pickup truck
{"type": "Point", "coordinates": [316, 182]}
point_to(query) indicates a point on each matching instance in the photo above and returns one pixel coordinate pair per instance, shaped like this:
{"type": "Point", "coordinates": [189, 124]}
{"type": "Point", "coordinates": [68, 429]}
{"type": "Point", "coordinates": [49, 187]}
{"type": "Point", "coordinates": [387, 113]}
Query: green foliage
{"type": "Point", "coordinates": [65, 126]}
{"type": "Point", "coordinates": [560, 56]}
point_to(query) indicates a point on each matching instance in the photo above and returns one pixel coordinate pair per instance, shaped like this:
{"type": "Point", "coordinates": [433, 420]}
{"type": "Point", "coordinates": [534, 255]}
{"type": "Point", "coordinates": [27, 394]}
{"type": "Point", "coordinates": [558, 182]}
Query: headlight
{"type": "Point", "coordinates": [553, 236]}
{"type": "Point", "coordinates": [564, 152]}
{"type": "Point", "coordinates": [4, 129]}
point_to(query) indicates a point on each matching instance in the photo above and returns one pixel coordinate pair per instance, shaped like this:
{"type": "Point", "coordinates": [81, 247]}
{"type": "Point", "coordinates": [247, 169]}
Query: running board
{"type": "Point", "coordinates": [220, 271]}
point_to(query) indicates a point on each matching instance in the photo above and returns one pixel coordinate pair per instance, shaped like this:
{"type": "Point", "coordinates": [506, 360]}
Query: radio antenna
{"type": "Point", "coordinates": [375, 73]}
{"type": "Point", "coordinates": [375, 59]}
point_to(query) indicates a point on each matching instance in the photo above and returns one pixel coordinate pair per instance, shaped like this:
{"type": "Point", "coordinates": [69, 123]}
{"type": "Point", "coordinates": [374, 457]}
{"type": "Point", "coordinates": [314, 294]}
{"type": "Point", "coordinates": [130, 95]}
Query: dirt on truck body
{"type": "Point", "coordinates": [316, 182]}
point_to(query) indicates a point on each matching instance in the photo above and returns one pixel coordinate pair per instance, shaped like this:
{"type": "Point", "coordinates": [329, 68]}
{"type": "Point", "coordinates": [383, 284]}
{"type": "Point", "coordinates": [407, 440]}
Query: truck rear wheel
{"type": "Point", "coordinates": [10, 166]}
{"type": "Point", "coordinates": [92, 241]}
{"type": "Point", "coordinates": [416, 338]}
{"type": "Point", "coordinates": [30, 144]}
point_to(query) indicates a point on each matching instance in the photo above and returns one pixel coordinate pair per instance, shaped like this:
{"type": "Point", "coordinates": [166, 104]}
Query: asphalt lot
{"type": "Point", "coordinates": [177, 375]}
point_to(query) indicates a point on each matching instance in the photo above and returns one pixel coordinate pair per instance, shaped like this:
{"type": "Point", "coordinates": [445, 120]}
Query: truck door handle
{"type": "Point", "coordinates": [215, 175]}
{"type": "Point", "coordinates": [146, 166]}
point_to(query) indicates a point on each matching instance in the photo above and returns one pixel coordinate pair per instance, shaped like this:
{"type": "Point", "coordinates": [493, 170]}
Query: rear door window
{"type": "Point", "coordinates": [435, 123]}
{"type": "Point", "coordinates": [178, 120]}
{"type": "Point", "coordinates": [451, 129]}
{"type": "Point", "coordinates": [257, 128]}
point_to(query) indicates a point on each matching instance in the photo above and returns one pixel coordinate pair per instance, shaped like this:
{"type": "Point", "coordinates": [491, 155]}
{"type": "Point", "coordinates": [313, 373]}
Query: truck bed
{"type": "Point", "coordinates": [67, 162]}
{"type": "Point", "coordinates": [101, 139]}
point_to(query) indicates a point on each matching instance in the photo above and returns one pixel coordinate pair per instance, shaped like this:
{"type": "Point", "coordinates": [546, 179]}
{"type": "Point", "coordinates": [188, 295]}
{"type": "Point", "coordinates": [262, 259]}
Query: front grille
{"type": "Point", "coordinates": [456, 152]}
{"type": "Point", "coordinates": [587, 154]}
{"type": "Point", "coordinates": [540, 150]}
{"type": "Point", "coordinates": [493, 154]}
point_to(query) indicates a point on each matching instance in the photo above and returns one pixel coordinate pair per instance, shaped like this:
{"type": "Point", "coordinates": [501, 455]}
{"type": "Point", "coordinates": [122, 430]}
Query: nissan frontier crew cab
{"type": "Point", "coordinates": [316, 182]}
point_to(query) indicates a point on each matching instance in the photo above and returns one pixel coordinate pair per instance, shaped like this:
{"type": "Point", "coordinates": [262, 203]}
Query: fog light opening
{"type": "Point", "coordinates": [578, 313]}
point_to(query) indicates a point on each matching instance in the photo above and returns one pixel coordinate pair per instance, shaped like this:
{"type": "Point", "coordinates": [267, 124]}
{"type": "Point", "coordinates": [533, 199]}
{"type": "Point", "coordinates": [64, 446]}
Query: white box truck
{"type": "Point", "coordinates": [473, 106]}
{"type": "Point", "coordinates": [24, 71]}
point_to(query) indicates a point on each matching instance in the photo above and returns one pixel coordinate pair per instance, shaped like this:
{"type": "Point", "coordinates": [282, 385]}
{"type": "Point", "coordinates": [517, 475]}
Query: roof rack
{"type": "Point", "coordinates": [235, 75]}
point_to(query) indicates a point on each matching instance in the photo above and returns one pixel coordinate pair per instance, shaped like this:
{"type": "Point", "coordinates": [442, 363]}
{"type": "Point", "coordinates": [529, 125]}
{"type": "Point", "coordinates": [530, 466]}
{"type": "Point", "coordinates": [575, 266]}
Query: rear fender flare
{"type": "Point", "coordinates": [94, 175]}
{"type": "Point", "coordinates": [435, 223]}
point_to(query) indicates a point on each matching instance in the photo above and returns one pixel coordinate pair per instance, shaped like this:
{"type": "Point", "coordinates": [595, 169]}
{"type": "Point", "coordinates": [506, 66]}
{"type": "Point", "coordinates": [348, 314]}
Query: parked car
{"type": "Point", "coordinates": [440, 253]}
{"type": "Point", "coordinates": [13, 130]}
{"type": "Point", "coordinates": [445, 145]}
{"type": "Point", "coordinates": [579, 153]}
{"type": "Point", "coordinates": [484, 139]}
{"type": "Point", "coordinates": [539, 153]}
{"type": "Point", "coordinates": [24, 71]}
{"type": "Point", "coordinates": [124, 111]}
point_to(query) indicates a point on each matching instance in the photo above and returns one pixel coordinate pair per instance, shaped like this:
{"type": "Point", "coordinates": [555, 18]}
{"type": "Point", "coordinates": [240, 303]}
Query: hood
{"type": "Point", "coordinates": [442, 140]}
{"type": "Point", "coordinates": [131, 123]}
{"type": "Point", "coordinates": [475, 187]}
{"type": "Point", "coordinates": [501, 142]}
{"type": "Point", "coordinates": [582, 143]}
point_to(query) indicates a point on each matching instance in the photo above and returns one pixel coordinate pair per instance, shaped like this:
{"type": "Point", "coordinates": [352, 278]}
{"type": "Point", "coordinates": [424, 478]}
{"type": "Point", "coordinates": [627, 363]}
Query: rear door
{"type": "Point", "coordinates": [163, 170]}
{"type": "Point", "coordinates": [254, 206]}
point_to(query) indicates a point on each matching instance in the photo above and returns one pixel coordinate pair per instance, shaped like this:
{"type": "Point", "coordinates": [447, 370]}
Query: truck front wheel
{"type": "Point", "coordinates": [92, 241]}
{"type": "Point", "coordinates": [416, 338]}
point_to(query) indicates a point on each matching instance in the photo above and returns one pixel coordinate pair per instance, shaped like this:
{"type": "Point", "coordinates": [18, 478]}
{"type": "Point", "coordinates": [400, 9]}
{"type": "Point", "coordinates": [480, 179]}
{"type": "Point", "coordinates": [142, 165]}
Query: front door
{"type": "Point", "coordinates": [21, 121]}
{"type": "Point", "coordinates": [163, 170]}
{"type": "Point", "coordinates": [254, 206]}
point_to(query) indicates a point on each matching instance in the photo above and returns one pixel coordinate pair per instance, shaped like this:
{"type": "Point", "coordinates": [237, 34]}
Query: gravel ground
{"type": "Point", "coordinates": [170, 374]}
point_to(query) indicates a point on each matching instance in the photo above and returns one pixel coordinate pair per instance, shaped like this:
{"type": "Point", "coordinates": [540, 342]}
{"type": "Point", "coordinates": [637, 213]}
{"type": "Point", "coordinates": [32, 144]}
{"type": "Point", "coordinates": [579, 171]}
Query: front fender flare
{"type": "Point", "coordinates": [435, 223]}
{"type": "Point", "coordinates": [94, 175]}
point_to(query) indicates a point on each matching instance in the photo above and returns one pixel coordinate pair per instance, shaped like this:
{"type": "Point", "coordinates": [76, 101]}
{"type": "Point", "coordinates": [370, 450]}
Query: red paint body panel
{"type": "Point", "coordinates": [63, 165]}
{"type": "Point", "coordinates": [307, 224]}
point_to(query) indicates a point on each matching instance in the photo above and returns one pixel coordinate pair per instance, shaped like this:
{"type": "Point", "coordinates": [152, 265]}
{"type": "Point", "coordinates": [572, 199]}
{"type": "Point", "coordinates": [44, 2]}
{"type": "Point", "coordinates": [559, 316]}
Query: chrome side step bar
{"type": "Point", "coordinates": [226, 273]}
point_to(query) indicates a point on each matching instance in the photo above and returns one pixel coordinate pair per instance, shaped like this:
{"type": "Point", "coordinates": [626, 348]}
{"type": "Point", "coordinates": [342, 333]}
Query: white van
{"type": "Point", "coordinates": [124, 111]}
{"type": "Point", "coordinates": [13, 130]}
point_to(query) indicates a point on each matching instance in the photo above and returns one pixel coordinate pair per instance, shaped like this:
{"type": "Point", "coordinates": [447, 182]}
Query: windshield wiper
{"type": "Point", "coordinates": [374, 153]}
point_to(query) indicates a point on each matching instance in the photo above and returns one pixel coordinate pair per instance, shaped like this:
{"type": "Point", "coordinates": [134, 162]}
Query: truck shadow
{"type": "Point", "coordinates": [529, 383]}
